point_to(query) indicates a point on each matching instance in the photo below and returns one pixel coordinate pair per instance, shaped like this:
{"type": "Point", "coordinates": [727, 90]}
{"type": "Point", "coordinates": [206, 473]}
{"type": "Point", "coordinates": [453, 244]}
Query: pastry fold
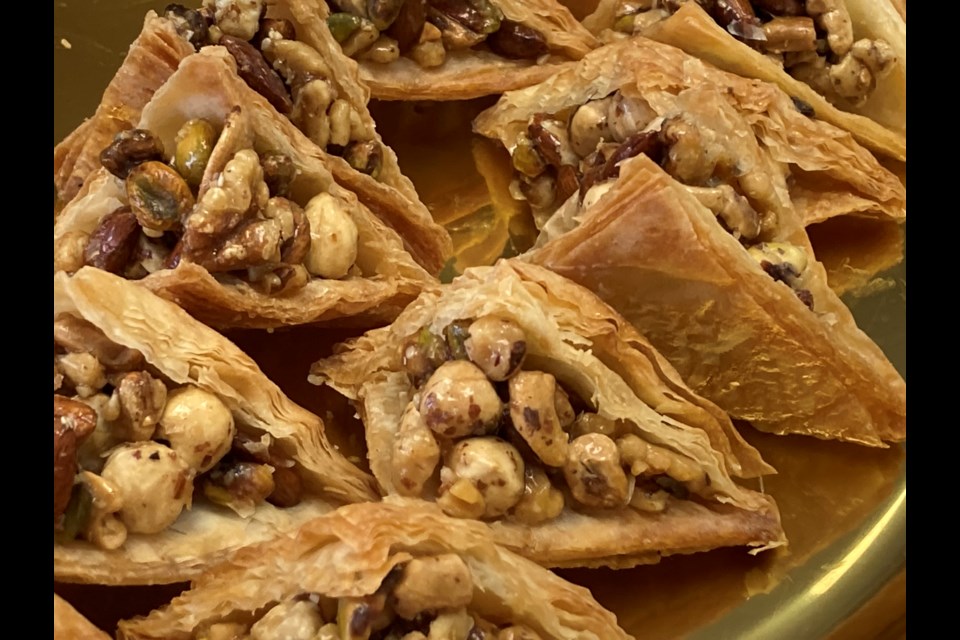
{"type": "Point", "coordinates": [879, 123]}
{"type": "Point", "coordinates": [383, 278]}
{"type": "Point", "coordinates": [153, 57]}
{"type": "Point", "coordinates": [360, 552]}
{"type": "Point", "coordinates": [166, 41]}
{"type": "Point", "coordinates": [183, 352]}
{"type": "Point", "coordinates": [821, 169]}
{"type": "Point", "coordinates": [69, 624]}
{"type": "Point", "coordinates": [739, 337]}
{"type": "Point", "coordinates": [465, 73]}
{"type": "Point", "coordinates": [609, 371]}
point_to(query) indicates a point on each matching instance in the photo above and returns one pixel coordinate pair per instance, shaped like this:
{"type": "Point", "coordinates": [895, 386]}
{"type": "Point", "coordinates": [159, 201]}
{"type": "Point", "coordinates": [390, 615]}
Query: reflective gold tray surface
{"type": "Point", "coordinates": [843, 575]}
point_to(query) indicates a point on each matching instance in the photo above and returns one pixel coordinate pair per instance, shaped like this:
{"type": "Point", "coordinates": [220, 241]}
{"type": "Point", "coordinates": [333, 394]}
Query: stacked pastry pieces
{"type": "Point", "coordinates": [516, 397]}
{"type": "Point", "coordinates": [445, 49]}
{"type": "Point", "coordinates": [316, 90]}
{"type": "Point", "coordinates": [846, 60]}
{"type": "Point", "coordinates": [234, 178]}
{"type": "Point", "coordinates": [672, 190]}
{"type": "Point", "coordinates": [395, 569]}
{"type": "Point", "coordinates": [171, 448]}
{"type": "Point", "coordinates": [246, 226]}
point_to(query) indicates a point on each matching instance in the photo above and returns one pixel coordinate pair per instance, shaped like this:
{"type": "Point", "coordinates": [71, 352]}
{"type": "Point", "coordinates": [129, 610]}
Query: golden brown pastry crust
{"type": "Point", "coordinates": [738, 337]}
{"type": "Point", "coordinates": [348, 553]}
{"type": "Point", "coordinates": [597, 354]}
{"type": "Point", "coordinates": [465, 74]}
{"type": "Point", "coordinates": [206, 85]}
{"type": "Point", "coordinates": [188, 352]}
{"type": "Point", "coordinates": [152, 58]}
{"type": "Point", "coordinates": [831, 174]}
{"type": "Point", "coordinates": [879, 125]}
{"type": "Point", "coordinates": [69, 624]}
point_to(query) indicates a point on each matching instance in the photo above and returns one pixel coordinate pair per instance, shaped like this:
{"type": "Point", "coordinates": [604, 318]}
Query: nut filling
{"type": "Point", "coordinates": [131, 450]}
{"type": "Point", "coordinates": [490, 438]}
{"type": "Point", "coordinates": [426, 598]}
{"type": "Point", "coordinates": [239, 224]}
{"type": "Point", "coordinates": [290, 74]}
{"type": "Point", "coordinates": [425, 30]}
{"type": "Point", "coordinates": [812, 40]}
{"type": "Point", "coordinates": [578, 152]}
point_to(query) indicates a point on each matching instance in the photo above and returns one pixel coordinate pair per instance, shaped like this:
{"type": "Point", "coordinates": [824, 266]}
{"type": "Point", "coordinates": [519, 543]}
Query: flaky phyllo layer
{"type": "Point", "coordinates": [397, 569]}
{"type": "Point", "coordinates": [516, 397]}
{"type": "Point", "coordinates": [171, 448]}
{"type": "Point", "coordinates": [446, 49]}
{"type": "Point", "coordinates": [314, 89]}
{"type": "Point", "coordinates": [223, 206]}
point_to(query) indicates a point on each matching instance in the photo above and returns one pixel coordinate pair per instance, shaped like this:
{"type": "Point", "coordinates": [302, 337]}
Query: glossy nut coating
{"type": "Point", "coordinates": [497, 345]}
{"type": "Point", "coordinates": [458, 400]}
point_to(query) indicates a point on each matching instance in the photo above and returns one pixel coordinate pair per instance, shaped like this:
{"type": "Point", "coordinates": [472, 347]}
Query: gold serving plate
{"type": "Point", "coordinates": [843, 506]}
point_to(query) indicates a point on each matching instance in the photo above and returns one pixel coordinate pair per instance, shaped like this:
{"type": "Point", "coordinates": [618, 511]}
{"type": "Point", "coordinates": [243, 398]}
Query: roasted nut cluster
{"type": "Point", "coordinates": [425, 30]}
{"type": "Point", "coordinates": [426, 597]}
{"type": "Point", "coordinates": [556, 158]}
{"type": "Point", "coordinates": [508, 441]}
{"type": "Point", "coordinates": [129, 446]}
{"type": "Point", "coordinates": [241, 223]}
{"type": "Point", "coordinates": [291, 75]}
{"type": "Point", "coordinates": [812, 40]}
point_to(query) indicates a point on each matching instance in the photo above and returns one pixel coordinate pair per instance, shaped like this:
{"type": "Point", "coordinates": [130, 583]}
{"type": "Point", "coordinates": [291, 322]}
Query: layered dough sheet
{"type": "Point", "coordinates": [142, 341]}
{"type": "Point", "coordinates": [397, 566]}
{"type": "Point", "coordinates": [591, 397]}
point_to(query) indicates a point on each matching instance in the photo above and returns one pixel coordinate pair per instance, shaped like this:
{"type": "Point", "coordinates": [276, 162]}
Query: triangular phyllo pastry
{"type": "Point", "coordinates": [516, 397]}
{"type": "Point", "coordinates": [396, 569]}
{"type": "Point", "coordinates": [245, 226]}
{"type": "Point", "coordinates": [444, 49]}
{"type": "Point", "coordinates": [685, 194]}
{"type": "Point", "coordinates": [708, 127]}
{"type": "Point", "coordinates": [846, 60]}
{"type": "Point", "coordinates": [171, 448]}
{"type": "Point", "coordinates": [752, 326]}
{"type": "Point", "coordinates": [317, 92]}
